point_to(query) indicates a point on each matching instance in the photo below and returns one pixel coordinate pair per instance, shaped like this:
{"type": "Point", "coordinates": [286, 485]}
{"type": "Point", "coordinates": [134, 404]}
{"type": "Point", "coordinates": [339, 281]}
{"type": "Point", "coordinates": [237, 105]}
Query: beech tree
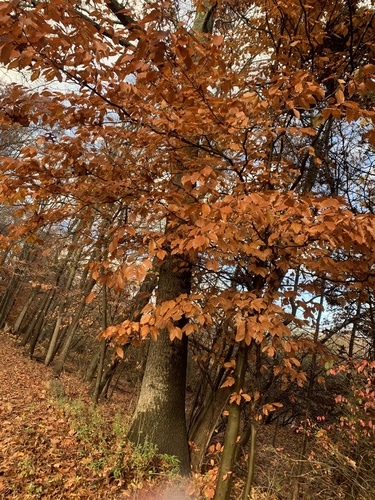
{"type": "Point", "coordinates": [214, 126]}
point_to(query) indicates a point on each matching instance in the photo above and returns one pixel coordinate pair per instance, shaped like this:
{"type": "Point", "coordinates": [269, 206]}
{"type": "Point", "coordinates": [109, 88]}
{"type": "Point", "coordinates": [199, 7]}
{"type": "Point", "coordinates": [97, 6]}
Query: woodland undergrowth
{"type": "Point", "coordinates": [66, 447]}
{"type": "Point", "coordinates": [57, 447]}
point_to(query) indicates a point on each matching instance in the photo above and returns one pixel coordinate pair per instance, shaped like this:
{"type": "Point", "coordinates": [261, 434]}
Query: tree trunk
{"type": "Point", "coordinates": [202, 433]}
{"type": "Point", "coordinates": [37, 330]}
{"type": "Point", "coordinates": [51, 351]}
{"type": "Point", "coordinates": [33, 328]}
{"type": "Point", "coordinates": [207, 409]}
{"type": "Point", "coordinates": [251, 462]}
{"type": "Point", "coordinates": [59, 365]}
{"type": "Point", "coordinates": [103, 351]}
{"type": "Point", "coordinates": [92, 367]}
{"type": "Point", "coordinates": [53, 342]}
{"type": "Point", "coordinates": [354, 329]}
{"type": "Point", "coordinates": [100, 372]}
{"type": "Point", "coordinates": [13, 287]}
{"type": "Point", "coordinates": [225, 474]}
{"type": "Point", "coordinates": [108, 376]}
{"type": "Point", "coordinates": [38, 317]}
{"type": "Point", "coordinates": [8, 299]}
{"type": "Point", "coordinates": [20, 317]}
{"type": "Point", "coordinates": [160, 414]}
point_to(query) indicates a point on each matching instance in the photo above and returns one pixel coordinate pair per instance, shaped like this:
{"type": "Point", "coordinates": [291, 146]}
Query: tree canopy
{"type": "Point", "coordinates": [233, 139]}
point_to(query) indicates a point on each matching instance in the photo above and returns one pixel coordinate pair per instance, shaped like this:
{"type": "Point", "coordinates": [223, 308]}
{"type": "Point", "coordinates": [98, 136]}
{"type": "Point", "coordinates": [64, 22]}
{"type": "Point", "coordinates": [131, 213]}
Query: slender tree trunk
{"type": "Point", "coordinates": [99, 371]}
{"type": "Point", "coordinates": [40, 312]}
{"type": "Point", "coordinates": [225, 474]}
{"type": "Point", "coordinates": [134, 313]}
{"type": "Point", "coordinates": [114, 385]}
{"type": "Point", "coordinates": [251, 461]}
{"type": "Point", "coordinates": [32, 329]}
{"type": "Point", "coordinates": [59, 365]}
{"type": "Point", "coordinates": [60, 339]}
{"type": "Point", "coordinates": [103, 351]}
{"type": "Point", "coordinates": [22, 314]}
{"type": "Point", "coordinates": [354, 329]}
{"type": "Point", "coordinates": [37, 330]}
{"type": "Point", "coordinates": [107, 377]}
{"type": "Point", "coordinates": [8, 299]}
{"type": "Point", "coordinates": [202, 433]}
{"type": "Point", "coordinates": [91, 369]}
{"type": "Point", "coordinates": [60, 313]}
{"type": "Point", "coordinates": [207, 412]}
{"type": "Point", "coordinates": [13, 287]}
{"type": "Point", "coordinates": [5, 254]}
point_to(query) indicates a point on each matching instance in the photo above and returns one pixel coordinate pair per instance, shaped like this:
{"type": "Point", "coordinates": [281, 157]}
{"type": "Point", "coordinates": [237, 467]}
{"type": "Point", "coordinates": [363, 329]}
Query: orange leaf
{"type": "Point", "coordinates": [140, 272]}
{"type": "Point", "coordinates": [90, 297]}
{"type": "Point", "coordinates": [209, 492]}
{"type": "Point", "coordinates": [199, 241]}
{"type": "Point", "coordinates": [205, 209]}
{"type": "Point", "coordinates": [188, 329]}
{"type": "Point", "coordinates": [240, 335]}
{"type": "Point", "coordinates": [340, 98]}
{"type": "Point", "coordinates": [161, 254]}
{"type": "Point", "coordinates": [229, 382]}
{"type": "Point", "coordinates": [217, 40]}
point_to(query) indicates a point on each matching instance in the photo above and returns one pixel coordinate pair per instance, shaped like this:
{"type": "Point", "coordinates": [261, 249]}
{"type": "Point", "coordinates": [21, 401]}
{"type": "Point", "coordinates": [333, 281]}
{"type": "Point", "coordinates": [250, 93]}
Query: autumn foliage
{"type": "Point", "coordinates": [234, 145]}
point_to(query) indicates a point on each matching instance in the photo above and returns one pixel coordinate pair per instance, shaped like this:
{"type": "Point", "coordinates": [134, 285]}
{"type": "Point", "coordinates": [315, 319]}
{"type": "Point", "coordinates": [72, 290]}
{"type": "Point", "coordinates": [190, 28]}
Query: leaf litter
{"type": "Point", "coordinates": [61, 448]}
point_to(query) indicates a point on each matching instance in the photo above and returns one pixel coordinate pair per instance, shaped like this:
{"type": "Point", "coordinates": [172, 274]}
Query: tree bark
{"type": "Point", "coordinates": [59, 365]}
{"type": "Point", "coordinates": [22, 314]}
{"type": "Point", "coordinates": [208, 409]}
{"type": "Point", "coordinates": [103, 351]}
{"type": "Point", "coordinates": [51, 351]}
{"type": "Point", "coordinates": [251, 462]}
{"type": "Point", "coordinates": [160, 414]}
{"type": "Point", "coordinates": [92, 367]}
{"type": "Point", "coordinates": [202, 432]}
{"type": "Point", "coordinates": [225, 474]}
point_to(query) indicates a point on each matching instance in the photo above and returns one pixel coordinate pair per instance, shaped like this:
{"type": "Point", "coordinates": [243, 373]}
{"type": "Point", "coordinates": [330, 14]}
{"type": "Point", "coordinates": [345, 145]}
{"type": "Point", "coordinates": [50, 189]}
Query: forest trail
{"type": "Point", "coordinates": [46, 451]}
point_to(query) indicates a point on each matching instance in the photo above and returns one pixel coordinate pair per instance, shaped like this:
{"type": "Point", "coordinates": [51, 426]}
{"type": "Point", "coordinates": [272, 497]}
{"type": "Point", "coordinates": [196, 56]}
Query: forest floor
{"type": "Point", "coordinates": [60, 448]}
{"type": "Point", "coordinates": [54, 447]}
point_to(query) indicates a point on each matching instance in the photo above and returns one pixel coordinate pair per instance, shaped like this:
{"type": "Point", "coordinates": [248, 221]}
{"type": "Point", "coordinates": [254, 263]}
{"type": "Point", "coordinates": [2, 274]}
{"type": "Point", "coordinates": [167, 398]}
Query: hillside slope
{"type": "Point", "coordinates": [56, 448]}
